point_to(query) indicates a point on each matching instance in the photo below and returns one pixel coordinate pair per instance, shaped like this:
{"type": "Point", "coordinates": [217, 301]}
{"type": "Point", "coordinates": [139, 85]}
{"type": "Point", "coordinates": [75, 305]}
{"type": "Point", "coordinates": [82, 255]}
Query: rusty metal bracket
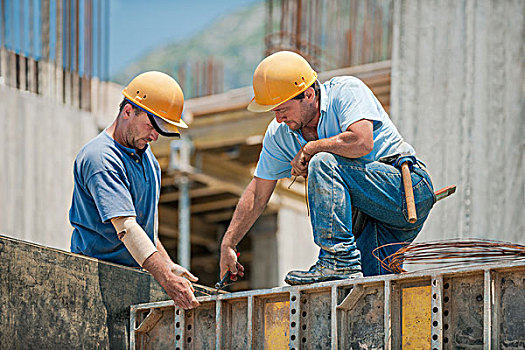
{"type": "Point", "coordinates": [150, 321]}
{"type": "Point", "coordinates": [355, 294]}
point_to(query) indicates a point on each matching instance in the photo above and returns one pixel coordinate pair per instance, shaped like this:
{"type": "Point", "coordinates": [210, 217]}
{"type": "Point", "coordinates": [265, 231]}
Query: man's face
{"type": "Point", "coordinates": [296, 113]}
{"type": "Point", "coordinates": [139, 132]}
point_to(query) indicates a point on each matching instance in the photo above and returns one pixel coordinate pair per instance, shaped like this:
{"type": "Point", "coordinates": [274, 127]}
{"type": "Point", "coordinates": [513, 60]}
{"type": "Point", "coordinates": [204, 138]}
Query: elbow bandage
{"type": "Point", "coordinates": [134, 238]}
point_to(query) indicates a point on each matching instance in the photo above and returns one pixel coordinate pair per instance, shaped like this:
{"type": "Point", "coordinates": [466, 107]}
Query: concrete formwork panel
{"type": "Point", "coordinates": [454, 308]}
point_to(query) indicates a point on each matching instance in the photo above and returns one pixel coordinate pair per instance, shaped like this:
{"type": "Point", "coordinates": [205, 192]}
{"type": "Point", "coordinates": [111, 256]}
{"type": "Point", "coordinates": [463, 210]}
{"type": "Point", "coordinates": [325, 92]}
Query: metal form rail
{"type": "Point", "coordinates": [454, 308]}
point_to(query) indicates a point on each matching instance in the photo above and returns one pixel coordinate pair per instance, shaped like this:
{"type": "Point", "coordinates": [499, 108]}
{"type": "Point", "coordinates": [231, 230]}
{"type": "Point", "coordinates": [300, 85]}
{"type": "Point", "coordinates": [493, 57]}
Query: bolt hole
{"type": "Point", "coordinates": [435, 323]}
{"type": "Point", "coordinates": [434, 296]}
{"type": "Point", "coordinates": [293, 311]}
{"type": "Point", "coordinates": [304, 340]}
{"type": "Point", "coordinates": [446, 285]}
{"type": "Point", "coordinates": [189, 339]}
{"type": "Point", "coordinates": [177, 324]}
{"type": "Point", "coordinates": [189, 327]}
{"type": "Point", "coordinates": [304, 313]}
{"type": "Point", "coordinates": [294, 298]}
{"type": "Point", "coordinates": [479, 298]}
{"type": "Point", "coordinates": [177, 312]}
{"type": "Point", "coordinates": [435, 309]}
{"type": "Point", "coordinates": [446, 326]}
{"type": "Point", "coordinates": [304, 301]}
{"type": "Point", "coordinates": [144, 96]}
{"type": "Point", "coordinates": [302, 78]}
{"type": "Point", "coordinates": [293, 324]}
{"type": "Point", "coordinates": [445, 313]}
{"type": "Point", "coordinates": [446, 299]}
{"type": "Point", "coordinates": [138, 92]}
{"type": "Point", "coordinates": [295, 83]}
{"type": "Point", "coordinates": [445, 340]}
{"type": "Point", "coordinates": [304, 327]}
{"type": "Point", "coordinates": [434, 282]}
{"type": "Point", "coordinates": [292, 337]}
{"type": "Point", "coordinates": [177, 337]}
{"type": "Point", "coordinates": [435, 337]}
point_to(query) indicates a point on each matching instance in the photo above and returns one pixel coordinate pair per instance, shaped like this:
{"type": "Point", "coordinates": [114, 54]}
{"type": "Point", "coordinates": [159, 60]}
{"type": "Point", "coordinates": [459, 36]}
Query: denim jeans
{"type": "Point", "coordinates": [336, 183]}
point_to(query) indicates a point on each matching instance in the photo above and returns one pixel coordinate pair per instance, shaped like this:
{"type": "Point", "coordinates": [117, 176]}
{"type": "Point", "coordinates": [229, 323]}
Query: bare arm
{"type": "Point", "coordinates": [250, 206]}
{"type": "Point", "coordinates": [157, 263]}
{"type": "Point", "coordinates": [355, 142]}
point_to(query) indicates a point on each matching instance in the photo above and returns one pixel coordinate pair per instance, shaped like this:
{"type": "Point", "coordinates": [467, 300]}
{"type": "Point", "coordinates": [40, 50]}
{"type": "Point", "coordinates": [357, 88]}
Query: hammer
{"type": "Point", "coordinates": [406, 163]}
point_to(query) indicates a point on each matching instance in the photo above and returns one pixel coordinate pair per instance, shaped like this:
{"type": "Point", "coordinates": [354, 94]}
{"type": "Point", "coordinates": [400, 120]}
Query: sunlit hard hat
{"type": "Point", "coordinates": [161, 97]}
{"type": "Point", "coordinates": [279, 78]}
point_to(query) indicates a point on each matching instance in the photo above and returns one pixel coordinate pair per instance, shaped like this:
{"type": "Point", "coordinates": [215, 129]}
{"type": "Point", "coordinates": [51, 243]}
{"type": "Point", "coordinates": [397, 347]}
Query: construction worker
{"type": "Point", "coordinates": [117, 186]}
{"type": "Point", "coordinates": [337, 135]}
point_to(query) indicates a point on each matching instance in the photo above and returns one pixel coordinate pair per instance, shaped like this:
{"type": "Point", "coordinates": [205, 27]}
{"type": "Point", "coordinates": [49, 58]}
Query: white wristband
{"type": "Point", "coordinates": [134, 238]}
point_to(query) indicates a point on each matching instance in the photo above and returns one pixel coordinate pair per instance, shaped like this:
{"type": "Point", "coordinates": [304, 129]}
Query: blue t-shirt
{"type": "Point", "coordinates": [344, 101]}
{"type": "Point", "coordinates": [111, 181]}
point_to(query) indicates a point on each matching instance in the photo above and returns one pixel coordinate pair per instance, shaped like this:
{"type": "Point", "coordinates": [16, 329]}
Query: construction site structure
{"type": "Point", "coordinates": [477, 307]}
{"type": "Point", "coordinates": [453, 87]}
{"type": "Point", "coordinates": [52, 299]}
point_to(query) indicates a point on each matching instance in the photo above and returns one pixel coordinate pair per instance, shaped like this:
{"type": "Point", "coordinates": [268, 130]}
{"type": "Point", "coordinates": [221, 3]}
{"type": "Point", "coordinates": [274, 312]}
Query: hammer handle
{"type": "Point", "coordinates": [409, 193]}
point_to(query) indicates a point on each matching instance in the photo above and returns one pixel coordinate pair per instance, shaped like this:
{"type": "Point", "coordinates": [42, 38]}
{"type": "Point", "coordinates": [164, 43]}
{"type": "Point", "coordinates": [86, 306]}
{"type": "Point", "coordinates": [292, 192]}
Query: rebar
{"type": "Point", "coordinates": [449, 253]}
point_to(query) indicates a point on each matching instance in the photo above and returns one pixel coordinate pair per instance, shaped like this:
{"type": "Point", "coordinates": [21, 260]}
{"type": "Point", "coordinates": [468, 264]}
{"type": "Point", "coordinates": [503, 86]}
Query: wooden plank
{"type": "Point", "coordinates": [238, 99]}
{"type": "Point", "coordinates": [169, 217]}
{"type": "Point", "coordinates": [219, 217]}
{"type": "Point", "coordinates": [169, 231]}
{"type": "Point", "coordinates": [194, 193]}
{"type": "Point", "coordinates": [214, 205]}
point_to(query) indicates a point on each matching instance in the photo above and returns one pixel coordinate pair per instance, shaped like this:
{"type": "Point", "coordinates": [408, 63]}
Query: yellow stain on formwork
{"type": "Point", "coordinates": [277, 325]}
{"type": "Point", "coordinates": [416, 317]}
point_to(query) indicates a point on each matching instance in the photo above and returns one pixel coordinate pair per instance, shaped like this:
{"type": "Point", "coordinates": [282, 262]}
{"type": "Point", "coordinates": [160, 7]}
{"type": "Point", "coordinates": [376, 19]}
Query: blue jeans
{"type": "Point", "coordinates": [336, 183]}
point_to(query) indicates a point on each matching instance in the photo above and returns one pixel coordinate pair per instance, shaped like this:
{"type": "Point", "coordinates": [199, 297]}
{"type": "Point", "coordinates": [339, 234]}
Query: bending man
{"type": "Point", "coordinates": [117, 186]}
{"type": "Point", "coordinates": [337, 135]}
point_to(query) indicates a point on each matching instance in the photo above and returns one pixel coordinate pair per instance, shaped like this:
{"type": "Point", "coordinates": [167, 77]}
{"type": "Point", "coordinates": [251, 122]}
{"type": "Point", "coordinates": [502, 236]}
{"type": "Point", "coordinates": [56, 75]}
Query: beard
{"type": "Point", "coordinates": [308, 113]}
{"type": "Point", "coordinates": [132, 141]}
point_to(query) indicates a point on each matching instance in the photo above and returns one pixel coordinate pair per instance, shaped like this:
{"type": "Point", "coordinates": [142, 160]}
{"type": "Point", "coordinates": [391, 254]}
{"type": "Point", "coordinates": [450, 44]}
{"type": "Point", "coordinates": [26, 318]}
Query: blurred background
{"type": "Point", "coordinates": [450, 73]}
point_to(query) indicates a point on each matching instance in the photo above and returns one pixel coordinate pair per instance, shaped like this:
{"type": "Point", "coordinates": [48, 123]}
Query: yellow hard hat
{"type": "Point", "coordinates": [161, 97]}
{"type": "Point", "coordinates": [279, 78]}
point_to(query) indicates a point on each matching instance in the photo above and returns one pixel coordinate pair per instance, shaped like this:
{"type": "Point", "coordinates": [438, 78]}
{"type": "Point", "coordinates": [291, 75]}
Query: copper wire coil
{"type": "Point", "coordinates": [457, 252]}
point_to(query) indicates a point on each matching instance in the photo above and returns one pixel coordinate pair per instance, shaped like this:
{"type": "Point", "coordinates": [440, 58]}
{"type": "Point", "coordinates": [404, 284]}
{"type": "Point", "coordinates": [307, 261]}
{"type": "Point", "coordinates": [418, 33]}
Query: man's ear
{"type": "Point", "coordinates": [126, 111]}
{"type": "Point", "coordinates": [310, 93]}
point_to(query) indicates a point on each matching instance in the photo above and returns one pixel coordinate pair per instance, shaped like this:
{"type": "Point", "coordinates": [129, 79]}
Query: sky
{"type": "Point", "coordinates": [137, 27]}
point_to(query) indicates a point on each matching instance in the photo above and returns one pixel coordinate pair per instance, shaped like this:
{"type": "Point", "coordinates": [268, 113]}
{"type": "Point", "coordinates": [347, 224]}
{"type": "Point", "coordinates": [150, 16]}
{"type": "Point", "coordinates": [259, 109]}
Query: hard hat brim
{"type": "Point", "coordinates": [163, 127]}
{"type": "Point", "coordinates": [255, 107]}
{"type": "Point", "coordinates": [180, 123]}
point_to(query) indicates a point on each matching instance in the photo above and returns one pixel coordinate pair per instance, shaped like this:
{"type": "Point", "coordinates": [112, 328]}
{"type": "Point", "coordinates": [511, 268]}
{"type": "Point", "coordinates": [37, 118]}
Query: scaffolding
{"type": "Point", "coordinates": [56, 48]}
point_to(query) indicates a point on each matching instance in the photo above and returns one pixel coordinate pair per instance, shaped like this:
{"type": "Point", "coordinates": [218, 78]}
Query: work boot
{"type": "Point", "coordinates": [319, 273]}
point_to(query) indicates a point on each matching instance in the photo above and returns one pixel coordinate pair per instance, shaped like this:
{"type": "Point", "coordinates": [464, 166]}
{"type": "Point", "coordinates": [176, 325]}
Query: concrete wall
{"type": "Point", "coordinates": [51, 299]}
{"type": "Point", "coordinates": [295, 242]}
{"type": "Point", "coordinates": [458, 88]}
{"type": "Point", "coordinates": [40, 139]}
